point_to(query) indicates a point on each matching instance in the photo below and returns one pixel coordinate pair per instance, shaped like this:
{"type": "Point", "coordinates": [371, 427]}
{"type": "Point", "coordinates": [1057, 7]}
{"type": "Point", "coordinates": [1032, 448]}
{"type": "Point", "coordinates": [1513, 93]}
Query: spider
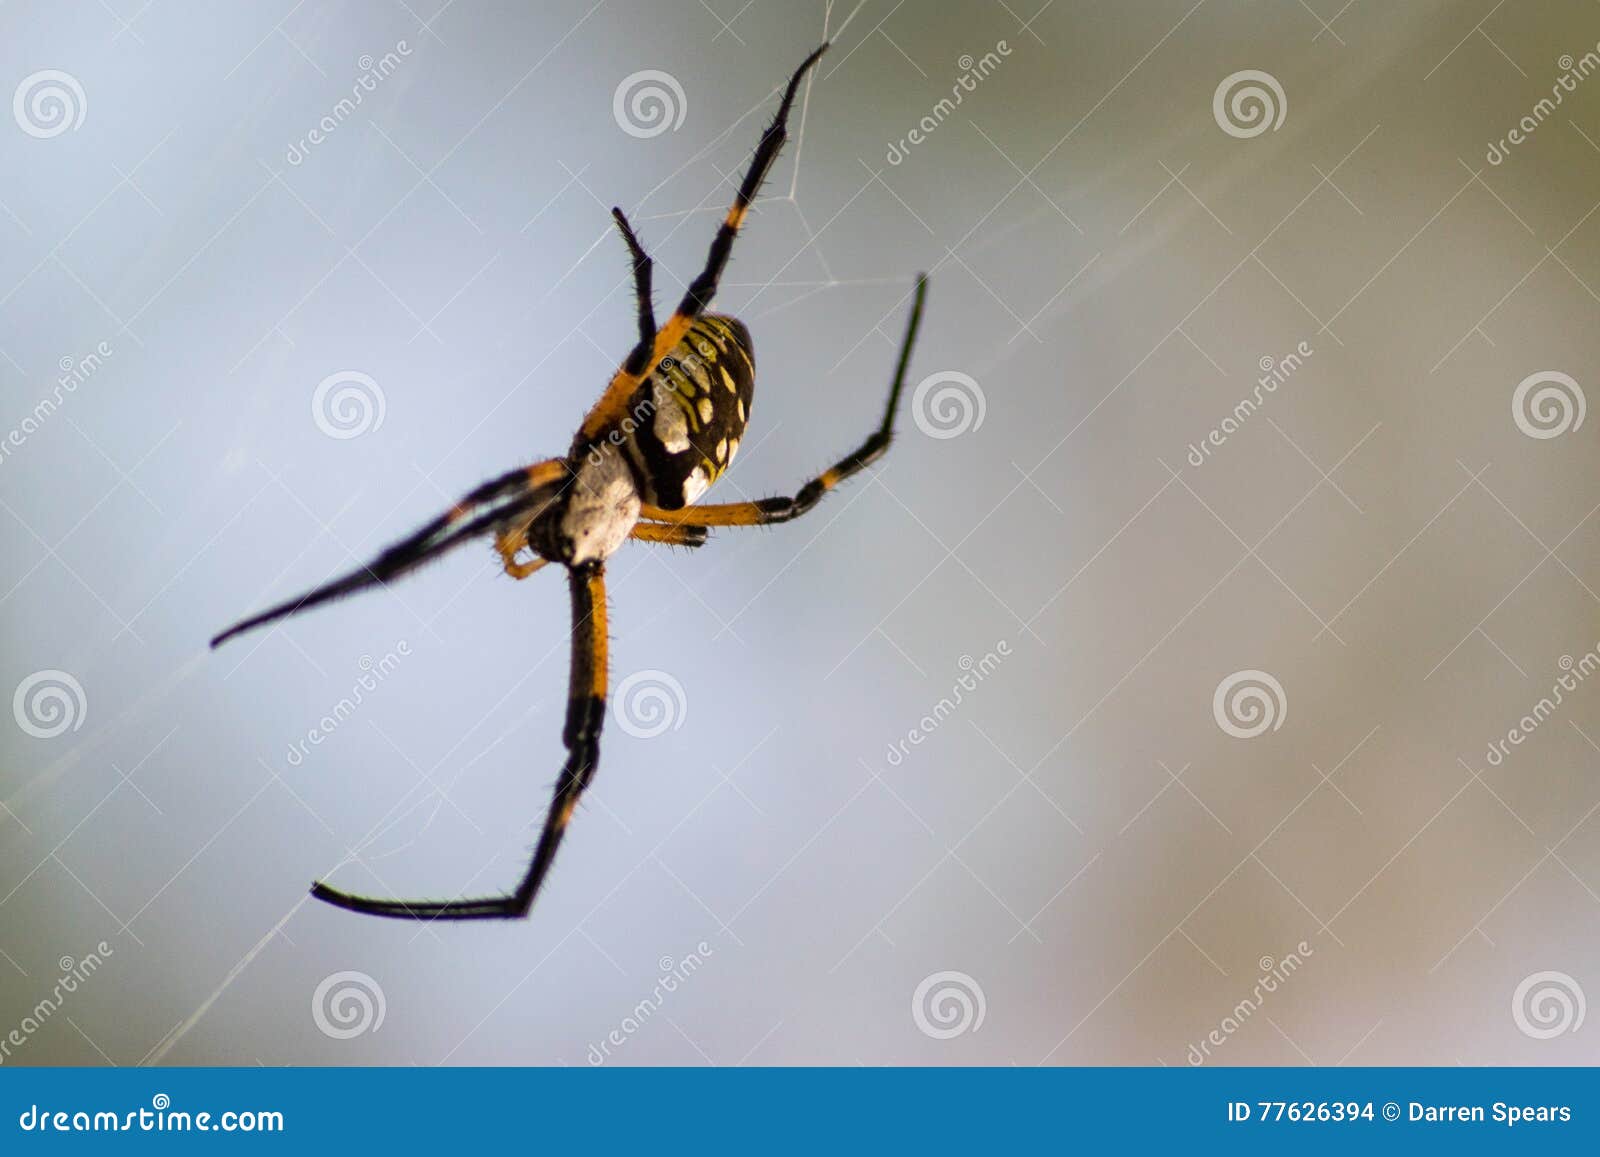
{"type": "Point", "coordinates": [665, 429]}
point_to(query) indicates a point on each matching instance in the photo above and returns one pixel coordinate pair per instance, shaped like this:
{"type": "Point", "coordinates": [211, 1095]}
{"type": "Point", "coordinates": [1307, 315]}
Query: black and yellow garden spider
{"type": "Point", "coordinates": [666, 427]}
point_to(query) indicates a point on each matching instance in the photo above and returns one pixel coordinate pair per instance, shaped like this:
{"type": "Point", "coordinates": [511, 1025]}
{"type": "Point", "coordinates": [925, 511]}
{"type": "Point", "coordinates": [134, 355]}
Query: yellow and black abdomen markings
{"type": "Point", "coordinates": [689, 413]}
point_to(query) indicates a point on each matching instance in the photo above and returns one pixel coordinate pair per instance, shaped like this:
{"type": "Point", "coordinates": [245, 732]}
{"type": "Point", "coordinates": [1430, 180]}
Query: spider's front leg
{"type": "Point", "coordinates": [639, 359]}
{"type": "Point", "coordinates": [586, 710]}
{"type": "Point", "coordinates": [765, 511]}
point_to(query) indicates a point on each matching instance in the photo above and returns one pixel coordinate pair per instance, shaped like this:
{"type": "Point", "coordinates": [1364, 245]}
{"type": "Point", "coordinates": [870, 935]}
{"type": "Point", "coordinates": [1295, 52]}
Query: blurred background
{"type": "Point", "coordinates": [1207, 676]}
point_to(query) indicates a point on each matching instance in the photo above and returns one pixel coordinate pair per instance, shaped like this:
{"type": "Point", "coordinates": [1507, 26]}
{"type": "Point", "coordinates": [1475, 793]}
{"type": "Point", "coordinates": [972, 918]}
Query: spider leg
{"type": "Point", "coordinates": [638, 359]}
{"type": "Point", "coordinates": [519, 492]}
{"type": "Point", "coordinates": [704, 287]}
{"type": "Point", "coordinates": [669, 535]}
{"type": "Point", "coordinates": [586, 709]}
{"type": "Point", "coordinates": [769, 510]}
{"type": "Point", "coordinates": [613, 403]}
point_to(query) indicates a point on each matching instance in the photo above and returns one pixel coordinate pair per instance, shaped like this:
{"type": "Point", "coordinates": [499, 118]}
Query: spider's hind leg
{"type": "Point", "coordinates": [586, 711]}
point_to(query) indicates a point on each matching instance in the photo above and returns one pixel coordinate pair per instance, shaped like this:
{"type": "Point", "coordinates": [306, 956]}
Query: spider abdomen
{"type": "Point", "coordinates": [688, 415]}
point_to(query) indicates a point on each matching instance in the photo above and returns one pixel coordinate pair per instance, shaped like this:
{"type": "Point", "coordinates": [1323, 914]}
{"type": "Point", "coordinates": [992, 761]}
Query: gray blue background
{"type": "Point", "coordinates": [1079, 839]}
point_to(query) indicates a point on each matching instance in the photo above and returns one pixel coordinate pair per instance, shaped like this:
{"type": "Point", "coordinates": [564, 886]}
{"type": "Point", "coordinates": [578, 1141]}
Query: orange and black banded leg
{"type": "Point", "coordinates": [704, 287]}
{"type": "Point", "coordinates": [639, 360]}
{"type": "Point", "coordinates": [586, 710]}
{"type": "Point", "coordinates": [515, 494]}
{"type": "Point", "coordinates": [669, 535]}
{"type": "Point", "coordinates": [613, 403]}
{"type": "Point", "coordinates": [770, 510]}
